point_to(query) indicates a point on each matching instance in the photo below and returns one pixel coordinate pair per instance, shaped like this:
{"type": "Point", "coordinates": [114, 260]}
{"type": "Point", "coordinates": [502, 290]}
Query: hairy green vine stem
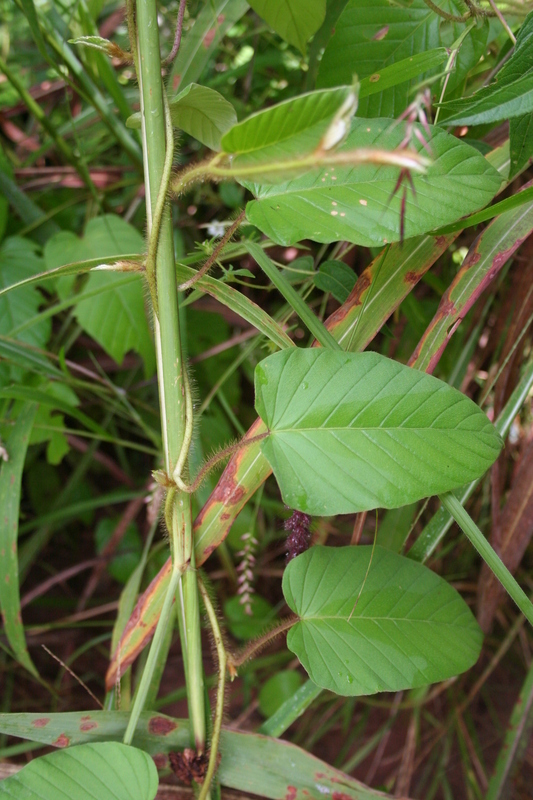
{"type": "Point", "coordinates": [219, 707]}
{"type": "Point", "coordinates": [214, 169]}
{"type": "Point", "coordinates": [174, 393]}
{"type": "Point", "coordinates": [160, 205]}
{"type": "Point", "coordinates": [214, 255]}
{"type": "Point", "coordinates": [473, 12]}
{"type": "Point", "coordinates": [177, 35]}
{"type": "Point", "coordinates": [236, 660]}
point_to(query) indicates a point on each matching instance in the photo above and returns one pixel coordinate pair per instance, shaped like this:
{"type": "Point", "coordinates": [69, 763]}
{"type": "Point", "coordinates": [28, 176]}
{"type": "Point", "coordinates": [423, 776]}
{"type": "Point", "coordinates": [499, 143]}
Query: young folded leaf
{"type": "Point", "coordinates": [355, 431]}
{"type": "Point", "coordinates": [391, 626]}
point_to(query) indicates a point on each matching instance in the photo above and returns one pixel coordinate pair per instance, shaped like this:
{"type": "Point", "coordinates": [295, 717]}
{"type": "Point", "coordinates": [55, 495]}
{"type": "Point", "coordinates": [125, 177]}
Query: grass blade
{"type": "Point", "coordinates": [10, 486]}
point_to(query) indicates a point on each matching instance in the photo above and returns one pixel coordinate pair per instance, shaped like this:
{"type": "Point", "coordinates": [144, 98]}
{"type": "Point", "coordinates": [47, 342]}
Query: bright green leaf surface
{"type": "Point", "coordinates": [19, 260]}
{"type": "Point", "coordinates": [279, 688]}
{"type": "Point", "coordinates": [335, 277]}
{"type": "Point", "coordinates": [294, 20]}
{"type": "Point", "coordinates": [371, 35]}
{"type": "Point", "coordinates": [99, 771]}
{"type": "Point", "coordinates": [511, 94]}
{"type": "Point", "coordinates": [404, 70]}
{"type": "Point", "coordinates": [16, 446]}
{"type": "Point", "coordinates": [199, 111]}
{"type": "Point", "coordinates": [355, 431]}
{"type": "Point", "coordinates": [521, 143]}
{"type": "Point", "coordinates": [356, 204]}
{"type": "Point", "coordinates": [202, 113]}
{"type": "Point", "coordinates": [115, 315]}
{"type": "Point", "coordinates": [287, 130]}
{"type": "Point", "coordinates": [408, 627]}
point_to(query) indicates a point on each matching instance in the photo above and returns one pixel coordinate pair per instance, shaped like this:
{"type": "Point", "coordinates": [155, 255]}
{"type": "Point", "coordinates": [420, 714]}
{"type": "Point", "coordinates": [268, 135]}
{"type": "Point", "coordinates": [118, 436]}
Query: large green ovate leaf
{"type": "Point", "coordinates": [288, 130]}
{"type": "Point", "coordinates": [355, 431]}
{"type": "Point", "coordinates": [381, 628]}
{"type": "Point", "coordinates": [359, 204]}
{"type": "Point", "coordinates": [99, 771]}
{"type": "Point", "coordinates": [371, 35]}
{"type": "Point", "coordinates": [294, 20]}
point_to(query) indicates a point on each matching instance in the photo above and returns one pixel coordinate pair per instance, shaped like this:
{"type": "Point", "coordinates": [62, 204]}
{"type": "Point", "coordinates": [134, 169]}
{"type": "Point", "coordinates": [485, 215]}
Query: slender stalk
{"type": "Point", "coordinates": [219, 710]}
{"type": "Point", "coordinates": [489, 556]}
{"type": "Point", "coordinates": [171, 370]}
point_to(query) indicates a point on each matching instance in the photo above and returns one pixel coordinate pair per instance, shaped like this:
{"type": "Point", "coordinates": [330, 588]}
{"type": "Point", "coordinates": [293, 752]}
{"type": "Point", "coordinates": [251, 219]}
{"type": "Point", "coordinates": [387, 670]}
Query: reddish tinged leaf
{"type": "Point", "coordinates": [487, 255]}
{"type": "Point", "coordinates": [516, 525]}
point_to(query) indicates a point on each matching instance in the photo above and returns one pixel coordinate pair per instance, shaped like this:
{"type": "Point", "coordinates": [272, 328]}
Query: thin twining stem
{"type": "Point", "coordinates": [178, 482]}
{"type": "Point", "coordinates": [214, 255]}
{"type": "Point", "coordinates": [177, 35]}
{"type": "Point", "coordinates": [161, 202]}
{"type": "Point", "coordinates": [236, 660]}
{"type": "Point", "coordinates": [219, 707]}
{"type": "Point", "coordinates": [473, 11]}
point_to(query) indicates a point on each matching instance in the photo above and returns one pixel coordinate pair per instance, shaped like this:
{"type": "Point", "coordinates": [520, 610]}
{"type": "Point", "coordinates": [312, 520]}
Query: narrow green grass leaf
{"type": "Point", "coordinates": [294, 20]}
{"type": "Point", "coordinates": [361, 205]}
{"type": "Point", "coordinates": [487, 255]}
{"type": "Point", "coordinates": [291, 710]}
{"type": "Point", "coordinates": [511, 94]}
{"type": "Point", "coordinates": [315, 326]}
{"type": "Point", "coordinates": [87, 772]}
{"type": "Point", "coordinates": [240, 304]}
{"type": "Point", "coordinates": [30, 13]}
{"type": "Point", "coordinates": [203, 39]}
{"type": "Point", "coordinates": [401, 71]}
{"type": "Point", "coordinates": [16, 446]}
{"type": "Point", "coordinates": [356, 431]}
{"type": "Point", "coordinates": [516, 741]}
{"type": "Point", "coordinates": [249, 761]}
{"type": "Point", "coordinates": [368, 622]}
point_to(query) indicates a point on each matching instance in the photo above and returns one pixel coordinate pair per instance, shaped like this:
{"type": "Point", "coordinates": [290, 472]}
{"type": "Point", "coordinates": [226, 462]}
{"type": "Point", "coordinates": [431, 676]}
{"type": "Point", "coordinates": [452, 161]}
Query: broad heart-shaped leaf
{"type": "Point", "coordinates": [354, 431]}
{"type": "Point", "coordinates": [511, 94]}
{"type": "Point", "coordinates": [290, 129]}
{"type": "Point", "coordinates": [381, 628]}
{"type": "Point", "coordinates": [99, 771]}
{"type": "Point", "coordinates": [373, 34]}
{"type": "Point", "coordinates": [294, 20]}
{"type": "Point", "coordinates": [114, 315]}
{"type": "Point", "coordinates": [359, 204]}
{"type": "Point", "coordinates": [199, 111]}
